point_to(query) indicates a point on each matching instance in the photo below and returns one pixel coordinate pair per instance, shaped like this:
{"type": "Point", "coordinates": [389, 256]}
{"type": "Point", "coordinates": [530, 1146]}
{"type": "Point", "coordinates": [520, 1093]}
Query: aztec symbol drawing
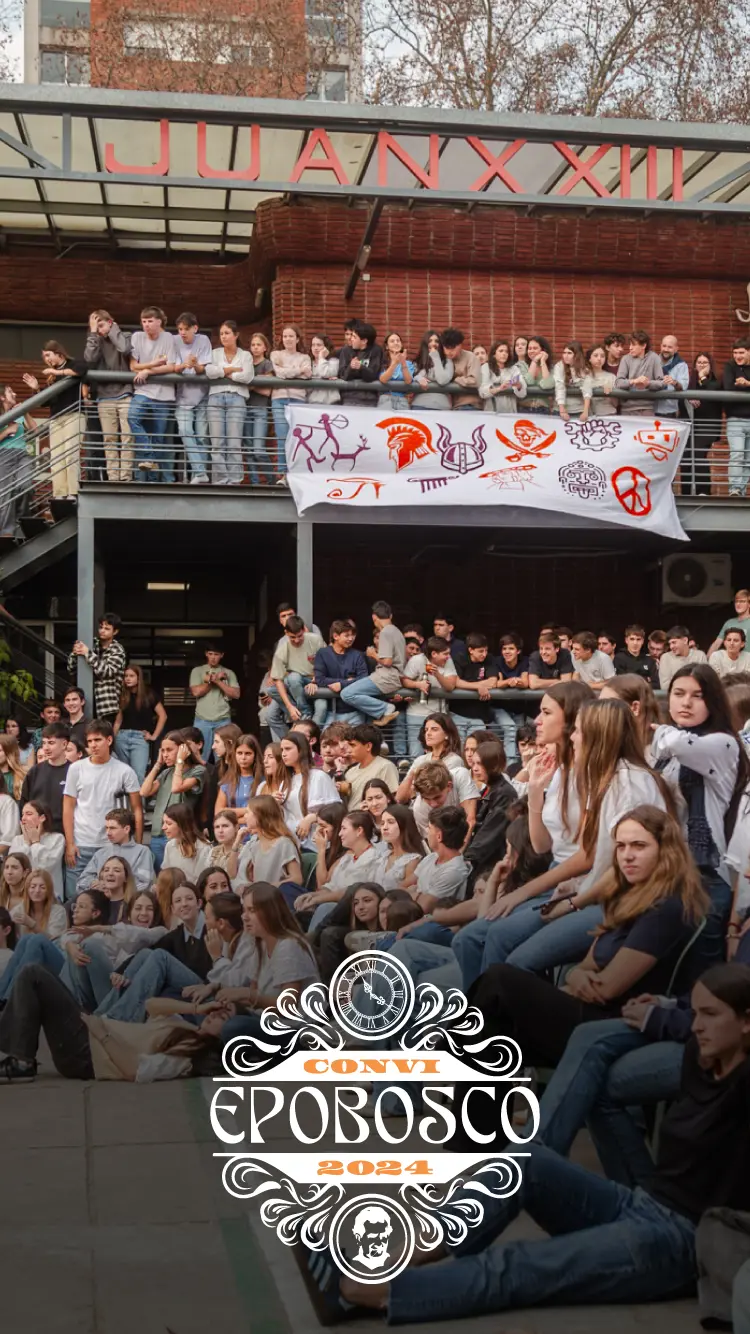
{"type": "Point", "coordinates": [583, 479]}
{"type": "Point", "coordinates": [407, 440]}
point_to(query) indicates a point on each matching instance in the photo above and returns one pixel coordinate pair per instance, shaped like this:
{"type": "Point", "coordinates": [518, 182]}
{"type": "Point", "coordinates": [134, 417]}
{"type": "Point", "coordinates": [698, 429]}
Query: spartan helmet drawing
{"type": "Point", "coordinates": [459, 456]}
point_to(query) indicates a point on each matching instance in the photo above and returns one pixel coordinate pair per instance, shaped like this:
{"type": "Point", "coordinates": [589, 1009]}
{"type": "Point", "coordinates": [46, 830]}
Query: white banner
{"type": "Point", "coordinates": [615, 469]}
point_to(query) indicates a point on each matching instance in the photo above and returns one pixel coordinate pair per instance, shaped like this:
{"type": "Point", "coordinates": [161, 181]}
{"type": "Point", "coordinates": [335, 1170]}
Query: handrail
{"type": "Point", "coordinates": [24, 630]}
{"type": "Point", "coordinates": [36, 401]}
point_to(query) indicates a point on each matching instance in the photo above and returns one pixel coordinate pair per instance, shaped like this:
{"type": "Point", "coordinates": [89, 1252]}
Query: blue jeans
{"type": "Point", "coordinates": [73, 872]}
{"type": "Point", "coordinates": [152, 973]}
{"type": "Point", "coordinates": [132, 748]}
{"type": "Point", "coordinates": [522, 939]}
{"type": "Point", "coordinates": [226, 423]}
{"type": "Point", "coordinates": [738, 440]}
{"type": "Point", "coordinates": [90, 982]}
{"type": "Point", "coordinates": [709, 948]}
{"type": "Point", "coordinates": [508, 724]}
{"type": "Point", "coordinates": [31, 949]}
{"type": "Point", "coordinates": [365, 697]}
{"type": "Point", "coordinates": [281, 427]}
{"type": "Point", "coordinates": [242, 1026]}
{"type": "Point", "coordinates": [467, 726]}
{"type": "Point", "coordinates": [208, 732]}
{"type": "Point", "coordinates": [257, 453]}
{"type": "Point", "coordinates": [148, 420]}
{"type": "Point", "coordinates": [157, 844]}
{"type": "Point", "coordinates": [606, 1244]}
{"type": "Point", "coordinates": [192, 424]}
{"type": "Point", "coordinates": [419, 956]}
{"type": "Point", "coordinates": [413, 728]}
{"type": "Point", "coordinates": [320, 915]}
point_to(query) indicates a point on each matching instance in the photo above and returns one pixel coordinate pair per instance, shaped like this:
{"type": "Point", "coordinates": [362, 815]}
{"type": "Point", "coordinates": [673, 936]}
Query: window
{"type": "Point", "coordinates": [64, 13]}
{"type": "Point", "coordinates": [68, 67]}
{"type": "Point", "coordinates": [334, 85]}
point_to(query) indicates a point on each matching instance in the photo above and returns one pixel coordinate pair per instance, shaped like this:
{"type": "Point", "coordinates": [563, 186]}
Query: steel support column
{"type": "Point", "coordinates": [86, 602]}
{"type": "Point", "coordinates": [305, 570]}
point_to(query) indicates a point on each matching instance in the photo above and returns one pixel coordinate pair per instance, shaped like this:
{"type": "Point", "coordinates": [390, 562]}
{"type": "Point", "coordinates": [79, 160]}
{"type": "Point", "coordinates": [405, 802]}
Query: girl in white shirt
{"type": "Point", "coordinates": [230, 370]}
{"type": "Point", "coordinates": [701, 752]}
{"type": "Point", "coordinates": [272, 854]}
{"type": "Point", "coordinates": [9, 822]}
{"type": "Point", "coordinates": [40, 913]}
{"type": "Point", "coordinates": [401, 849]}
{"type": "Point", "coordinates": [359, 862]}
{"type": "Point", "coordinates": [572, 383]}
{"type": "Point", "coordinates": [185, 849]}
{"type": "Point", "coordinates": [43, 847]}
{"type": "Point", "coordinates": [308, 788]}
{"type": "Point", "coordinates": [324, 367]}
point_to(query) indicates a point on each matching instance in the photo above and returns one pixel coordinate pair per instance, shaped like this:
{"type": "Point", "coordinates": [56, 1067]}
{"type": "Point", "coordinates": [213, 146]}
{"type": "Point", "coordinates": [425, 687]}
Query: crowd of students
{"type": "Point", "coordinates": [217, 427]}
{"type": "Point", "coordinates": [614, 846]}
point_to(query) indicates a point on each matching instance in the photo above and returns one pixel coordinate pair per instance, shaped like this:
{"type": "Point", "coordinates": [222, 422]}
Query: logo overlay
{"type": "Point", "coordinates": [305, 1078]}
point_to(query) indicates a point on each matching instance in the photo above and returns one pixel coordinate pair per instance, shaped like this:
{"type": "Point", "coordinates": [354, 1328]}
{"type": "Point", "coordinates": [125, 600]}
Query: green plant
{"type": "Point", "coordinates": [15, 683]}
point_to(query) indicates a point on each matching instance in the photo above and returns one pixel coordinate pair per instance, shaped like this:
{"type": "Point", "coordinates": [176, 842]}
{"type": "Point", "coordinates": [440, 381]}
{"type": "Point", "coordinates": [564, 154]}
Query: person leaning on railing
{"type": "Point", "coordinates": [66, 425]}
{"type": "Point", "coordinates": [16, 469]}
{"type": "Point", "coordinates": [108, 348]}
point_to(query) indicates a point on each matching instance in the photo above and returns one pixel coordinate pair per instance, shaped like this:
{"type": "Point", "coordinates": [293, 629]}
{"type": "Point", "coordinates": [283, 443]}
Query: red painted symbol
{"type": "Point", "coordinates": [633, 490]}
{"type": "Point", "coordinates": [659, 442]}
{"type": "Point", "coordinates": [407, 440]}
{"type": "Point", "coordinates": [530, 441]}
{"type": "Point", "coordinates": [348, 488]}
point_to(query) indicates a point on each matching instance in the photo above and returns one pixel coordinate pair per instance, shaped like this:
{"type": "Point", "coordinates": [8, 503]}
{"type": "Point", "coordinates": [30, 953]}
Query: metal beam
{"type": "Point", "coordinates": [305, 570]}
{"type": "Point", "coordinates": [86, 600]}
{"type": "Point", "coordinates": [74, 209]}
{"type": "Point", "coordinates": [363, 254]}
{"type": "Point", "coordinates": [51, 545]}
{"type": "Point", "coordinates": [124, 104]}
{"type": "Point", "coordinates": [182, 504]}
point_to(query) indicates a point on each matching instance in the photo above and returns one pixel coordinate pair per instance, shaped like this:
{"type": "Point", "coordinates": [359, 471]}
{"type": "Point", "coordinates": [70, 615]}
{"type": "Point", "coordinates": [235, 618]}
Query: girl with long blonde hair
{"type": "Point", "coordinates": [636, 692]}
{"type": "Point", "coordinates": [272, 855]}
{"type": "Point", "coordinates": [40, 914]}
{"type": "Point", "coordinates": [16, 869]}
{"type": "Point", "coordinates": [11, 767]}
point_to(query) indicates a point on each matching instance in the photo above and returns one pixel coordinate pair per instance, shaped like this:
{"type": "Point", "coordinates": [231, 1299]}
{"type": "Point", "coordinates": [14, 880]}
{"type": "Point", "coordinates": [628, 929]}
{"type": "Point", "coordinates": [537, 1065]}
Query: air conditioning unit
{"type": "Point", "coordinates": [696, 581]}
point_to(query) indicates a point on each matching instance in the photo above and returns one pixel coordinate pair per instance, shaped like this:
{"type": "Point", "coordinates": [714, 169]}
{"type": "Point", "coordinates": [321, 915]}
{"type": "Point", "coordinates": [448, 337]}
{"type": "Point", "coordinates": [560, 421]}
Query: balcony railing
{"type": "Point", "coordinates": [65, 448]}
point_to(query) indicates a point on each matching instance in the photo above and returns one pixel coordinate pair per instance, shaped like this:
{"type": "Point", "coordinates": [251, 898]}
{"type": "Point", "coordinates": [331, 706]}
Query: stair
{"type": "Point", "coordinates": [43, 549]}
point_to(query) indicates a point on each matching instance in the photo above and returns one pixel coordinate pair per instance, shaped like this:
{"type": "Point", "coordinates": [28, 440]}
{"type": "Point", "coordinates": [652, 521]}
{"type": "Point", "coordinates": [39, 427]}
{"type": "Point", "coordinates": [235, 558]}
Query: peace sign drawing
{"type": "Point", "coordinates": [633, 490]}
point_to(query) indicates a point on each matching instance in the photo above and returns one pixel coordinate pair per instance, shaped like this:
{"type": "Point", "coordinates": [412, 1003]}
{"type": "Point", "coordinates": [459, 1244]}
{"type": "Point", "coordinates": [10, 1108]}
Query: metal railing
{"type": "Point", "coordinates": [216, 445]}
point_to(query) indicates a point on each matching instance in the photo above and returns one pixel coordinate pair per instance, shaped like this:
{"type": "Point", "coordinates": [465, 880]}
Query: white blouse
{"type": "Point", "coordinates": [227, 384]}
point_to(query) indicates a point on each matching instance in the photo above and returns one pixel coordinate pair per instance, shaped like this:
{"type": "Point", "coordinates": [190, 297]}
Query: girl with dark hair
{"type": "Point", "coordinates": [520, 350]}
{"type": "Point", "coordinates": [441, 741]}
{"type": "Point", "coordinates": [496, 797]}
{"type": "Point", "coordinates": [140, 720]}
{"type": "Point", "coordinates": [229, 835]}
{"type": "Point", "coordinates": [97, 949]}
{"type": "Point", "coordinates": [325, 366]}
{"type": "Point", "coordinates": [309, 788]}
{"type": "Point", "coordinates": [699, 751]}
{"type": "Point", "coordinates": [175, 778]}
{"type": "Point", "coordinates": [572, 383]}
{"type": "Point", "coordinates": [376, 798]}
{"type": "Point", "coordinates": [257, 421]}
{"type": "Point", "coordinates": [328, 847]}
{"type": "Point", "coordinates": [602, 379]}
{"type": "Point", "coordinates": [401, 849]}
{"type": "Point", "coordinates": [397, 371]}
{"type": "Point", "coordinates": [67, 423]}
{"type": "Point", "coordinates": [290, 362]}
{"type": "Point", "coordinates": [186, 848]}
{"type": "Point", "coordinates": [118, 883]}
{"type": "Point", "coordinates": [695, 470]}
{"type": "Point", "coordinates": [360, 860]}
{"type": "Point", "coordinates": [473, 741]}
{"type": "Point", "coordinates": [243, 777]}
{"type": "Point", "coordinates": [538, 374]}
{"type": "Point", "coordinates": [38, 841]}
{"type": "Point", "coordinates": [214, 880]}
{"type": "Point", "coordinates": [230, 371]}
{"type": "Point", "coordinates": [504, 384]}
{"type": "Point", "coordinates": [433, 368]}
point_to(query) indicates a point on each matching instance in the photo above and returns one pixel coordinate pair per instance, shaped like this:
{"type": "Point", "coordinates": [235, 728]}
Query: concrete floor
{"type": "Point", "coordinates": [116, 1222]}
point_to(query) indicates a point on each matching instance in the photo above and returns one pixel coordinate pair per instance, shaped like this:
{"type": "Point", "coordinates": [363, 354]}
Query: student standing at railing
{"type": "Point", "coordinates": [230, 371]}
{"type": "Point", "coordinates": [290, 362]}
{"type": "Point", "coordinates": [433, 367]}
{"type": "Point", "coordinates": [16, 469]}
{"type": "Point", "coordinates": [193, 349]}
{"type": "Point", "coordinates": [257, 423]}
{"type": "Point", "coordinates": [602, 378]}
{"type": "Point", "coordinates": [538, 375]}
{"type": "Point", "coordinates": [640, 369]}
{"type": "Point", "coordinates": [108, 348]}
{"type": "Point", "coordinates": [153, 354]}
{"type": "Point", "coordinates": [695, 473]}
{"type": "Point", "coordinates": [66, 424]}
{"type": "Point", "coordinates": [737, 379]}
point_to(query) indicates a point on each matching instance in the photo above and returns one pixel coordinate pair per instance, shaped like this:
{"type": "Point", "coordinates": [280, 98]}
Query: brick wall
{"type": "Point", "coordinates": [503, 303]}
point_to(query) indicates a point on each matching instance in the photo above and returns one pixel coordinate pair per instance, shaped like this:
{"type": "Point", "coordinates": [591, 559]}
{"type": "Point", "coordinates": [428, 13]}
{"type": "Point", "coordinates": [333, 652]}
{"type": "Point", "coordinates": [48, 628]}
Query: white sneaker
{"type": "Point", "coordinates": [200, 480]}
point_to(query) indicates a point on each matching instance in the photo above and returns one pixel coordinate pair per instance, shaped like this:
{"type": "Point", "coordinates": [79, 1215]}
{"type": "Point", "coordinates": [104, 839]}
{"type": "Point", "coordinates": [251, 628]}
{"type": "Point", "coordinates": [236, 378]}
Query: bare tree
{"type": "Point", "coordinates": [10, 32]}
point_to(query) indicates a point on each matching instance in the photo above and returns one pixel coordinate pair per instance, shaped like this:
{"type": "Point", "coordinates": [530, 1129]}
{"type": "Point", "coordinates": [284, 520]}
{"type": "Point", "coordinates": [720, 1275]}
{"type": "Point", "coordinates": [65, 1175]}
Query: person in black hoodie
{"type": "Point", "coordinates": [737, 379]}
{"type": "Point", "coordinates": [632, 659]}
{"type": "Point", "coordinates": [487, 843]}
{"type": "Point", "coordinates": [361, 360]}
{"type": "Point", "coordinates": [695, 470]}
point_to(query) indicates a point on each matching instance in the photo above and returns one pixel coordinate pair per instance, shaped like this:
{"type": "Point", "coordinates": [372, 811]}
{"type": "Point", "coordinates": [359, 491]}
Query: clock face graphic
{"type": "Point", "coordinates": [371, 995]}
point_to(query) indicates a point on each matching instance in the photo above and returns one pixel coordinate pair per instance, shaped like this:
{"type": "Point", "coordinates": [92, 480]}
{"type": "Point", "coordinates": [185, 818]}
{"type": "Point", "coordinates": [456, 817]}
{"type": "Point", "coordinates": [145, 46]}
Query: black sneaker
{"type": "Point", "coordinates": [15, 1071]}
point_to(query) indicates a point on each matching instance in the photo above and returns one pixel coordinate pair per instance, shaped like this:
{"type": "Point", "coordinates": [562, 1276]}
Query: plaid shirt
{"type": "Point", "coordinates": [108, 666]}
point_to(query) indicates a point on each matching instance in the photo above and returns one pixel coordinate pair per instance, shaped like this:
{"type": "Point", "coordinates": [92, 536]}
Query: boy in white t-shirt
{"type": "Point", "coordinates": [443, 873]}
{"type": "Point", "coordinates": [92, 788]}
{"type": "Point", "coordinates": [436, 666]}
{"type": "Point", "coordinates": [591, 665]}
